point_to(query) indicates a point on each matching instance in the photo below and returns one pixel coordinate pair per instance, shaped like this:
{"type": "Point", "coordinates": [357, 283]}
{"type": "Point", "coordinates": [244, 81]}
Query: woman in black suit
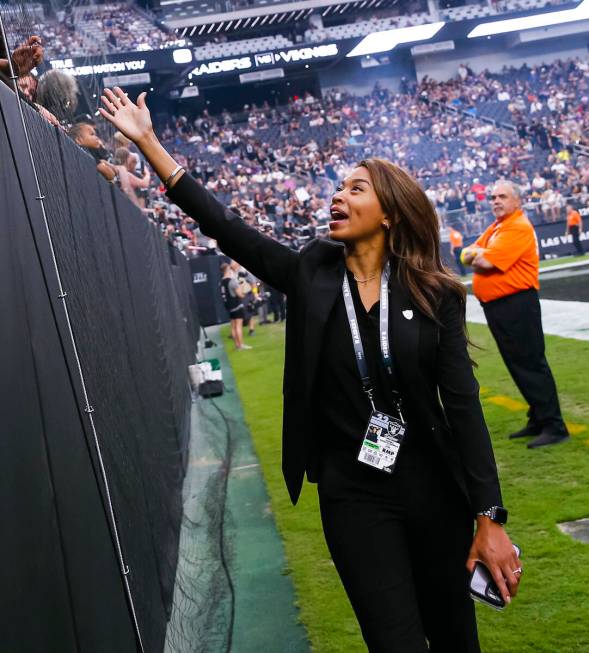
{"type": "Point", "coordinates": [375, 339]}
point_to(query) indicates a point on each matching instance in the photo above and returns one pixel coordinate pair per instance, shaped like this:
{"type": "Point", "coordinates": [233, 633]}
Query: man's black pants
{"type": "Point", "coordinates": [575, 231]}
{"type": "Point", "coordinates": [516, 324]}
{"type": "Point", "coordinates": [459, 264]}
{"type": "Point", "coordinates": [400, 543]}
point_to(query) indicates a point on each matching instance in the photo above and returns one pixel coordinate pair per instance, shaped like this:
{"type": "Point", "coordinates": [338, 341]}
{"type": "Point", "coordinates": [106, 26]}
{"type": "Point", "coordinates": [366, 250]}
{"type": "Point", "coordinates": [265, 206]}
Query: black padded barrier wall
{"type": "Point", "coordinates": [61, 585]}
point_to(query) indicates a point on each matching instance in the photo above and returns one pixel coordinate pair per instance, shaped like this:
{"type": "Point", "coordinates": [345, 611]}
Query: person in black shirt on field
{"type": "Point", "coordinates": [374, 339]}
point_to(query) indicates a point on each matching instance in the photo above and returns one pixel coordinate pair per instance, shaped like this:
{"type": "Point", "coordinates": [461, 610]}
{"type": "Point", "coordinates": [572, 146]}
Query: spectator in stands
{"type": "Point", "coordinates": [84, 134]}
{"type": "Point", "coordinates": [284, 153]}
{"type": "Point", "coordinates": [139, 162]}
{"type": "Point", "coordinates": [538, 183]}
{"type": "Point", "coordinates": [58, 93]}
{"type": "Point", "coordinates": [479, 190]}
{"type": "Point", "coordinates": [574, 227]}
{"type": "Point", "coordinates": [130, 183]}
{"type": "Point", "coordinates": [24, 58]}
{"type": "Point", "coordinates": [505, 264]}
{"type": "Point", "coordinates": [380, 219]}
{"type": "Point", "coordinates": [550, 202]}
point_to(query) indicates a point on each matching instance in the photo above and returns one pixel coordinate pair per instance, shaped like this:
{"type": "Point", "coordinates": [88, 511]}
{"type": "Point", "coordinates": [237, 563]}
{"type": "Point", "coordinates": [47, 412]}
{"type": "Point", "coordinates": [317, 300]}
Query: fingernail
{"type": "Point", "coordinates": [508, 599]}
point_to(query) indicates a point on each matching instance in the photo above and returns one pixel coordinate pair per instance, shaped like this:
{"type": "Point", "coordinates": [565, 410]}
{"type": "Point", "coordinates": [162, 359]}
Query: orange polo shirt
{"type": "Point", "coordinates": [456, 239]}
{"type": "Point", "coordinates": [511, 246]}
{"type": "Point", "coordinates": [574, 219]}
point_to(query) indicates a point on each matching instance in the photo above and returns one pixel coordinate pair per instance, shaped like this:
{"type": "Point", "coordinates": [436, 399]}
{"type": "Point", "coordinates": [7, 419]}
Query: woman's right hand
{"type": "Point", "coordinates": [133, 120]}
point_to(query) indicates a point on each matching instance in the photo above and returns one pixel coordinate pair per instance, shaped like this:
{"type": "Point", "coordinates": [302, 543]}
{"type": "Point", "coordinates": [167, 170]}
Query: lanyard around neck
{"type": "Point", "coordinates": [385, 349]}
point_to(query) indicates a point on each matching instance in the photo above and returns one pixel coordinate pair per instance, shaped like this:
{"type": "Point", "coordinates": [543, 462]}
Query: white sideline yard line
{"type": "Point", "coordinates": [242, 467]}
{"type": "Point", "coordinates": [559, 318]}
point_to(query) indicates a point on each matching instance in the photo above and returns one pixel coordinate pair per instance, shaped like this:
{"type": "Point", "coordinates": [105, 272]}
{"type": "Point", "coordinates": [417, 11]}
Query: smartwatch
{"type": "Point", "coordinates": [498, 514]}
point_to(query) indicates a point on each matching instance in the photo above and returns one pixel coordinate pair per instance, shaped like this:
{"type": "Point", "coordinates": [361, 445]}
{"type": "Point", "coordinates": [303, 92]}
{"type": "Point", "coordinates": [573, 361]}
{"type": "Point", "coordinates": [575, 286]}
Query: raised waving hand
{"type": "Point", "coordinates": [133, 120]}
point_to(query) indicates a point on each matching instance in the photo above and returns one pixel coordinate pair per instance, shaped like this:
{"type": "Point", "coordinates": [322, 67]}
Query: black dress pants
{"type": "Point", "coordinates": [575, 231]}
{"type": "Point", "coordinates": [516, 324]}
{"type": "Point", "coordinates": [459, 264]}
{"type": "Point", "coordinates": [400, 543]}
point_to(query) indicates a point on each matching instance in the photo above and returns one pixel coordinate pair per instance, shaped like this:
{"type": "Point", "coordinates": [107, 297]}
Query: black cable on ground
{"type": "Point", "coordinates": [224, 562]}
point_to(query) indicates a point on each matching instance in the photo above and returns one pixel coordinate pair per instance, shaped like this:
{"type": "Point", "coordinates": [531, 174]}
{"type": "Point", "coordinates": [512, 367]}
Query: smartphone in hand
{"type": "Point", "coordinates": [484, 589]}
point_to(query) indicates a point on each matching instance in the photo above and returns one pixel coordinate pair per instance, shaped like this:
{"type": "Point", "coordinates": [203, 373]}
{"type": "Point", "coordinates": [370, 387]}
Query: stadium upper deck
{"type": "Point", "coordinates": [233, 27]}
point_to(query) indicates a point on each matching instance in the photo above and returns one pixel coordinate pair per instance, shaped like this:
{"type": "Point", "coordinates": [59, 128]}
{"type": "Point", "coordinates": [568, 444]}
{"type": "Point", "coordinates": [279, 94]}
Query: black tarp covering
{"type": "Point", "coordinates": [130, 306]}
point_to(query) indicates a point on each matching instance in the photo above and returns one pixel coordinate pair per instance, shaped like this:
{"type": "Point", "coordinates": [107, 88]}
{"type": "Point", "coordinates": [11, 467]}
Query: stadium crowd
{"type": "Point", "coordinates": [95, 31]}
{"type": "Point", "coordinates": [277, 166]}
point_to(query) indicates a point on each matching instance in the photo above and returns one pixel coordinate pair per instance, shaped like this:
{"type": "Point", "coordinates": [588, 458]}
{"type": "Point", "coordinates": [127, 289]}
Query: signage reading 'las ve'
{"type": "Point", "coordinates": [293, 55]}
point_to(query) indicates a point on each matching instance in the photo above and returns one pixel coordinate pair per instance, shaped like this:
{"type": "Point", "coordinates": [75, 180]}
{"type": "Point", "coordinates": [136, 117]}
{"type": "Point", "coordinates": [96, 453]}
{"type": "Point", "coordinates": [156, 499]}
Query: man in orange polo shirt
{"type": "Point", "coordinates": [456, 244]}
{"type": "Point", "coordinates": [574, 226]}
{"type": "Point", "coordinates": [505, 262]}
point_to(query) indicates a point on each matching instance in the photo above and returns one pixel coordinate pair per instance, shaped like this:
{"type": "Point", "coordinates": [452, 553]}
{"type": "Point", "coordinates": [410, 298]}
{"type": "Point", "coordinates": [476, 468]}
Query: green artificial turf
{"type": "Point", "coordinates": [562, 260]}
{"type": "Point", "coordinates": [545, 263]}
{"type": "Point", "coordinates": [540, 487]}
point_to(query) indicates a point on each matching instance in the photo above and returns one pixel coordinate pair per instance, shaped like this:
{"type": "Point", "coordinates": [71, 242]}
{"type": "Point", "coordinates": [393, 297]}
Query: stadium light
{"type": "Point", "coordinates": [580, 12]}
{"type": "Point", "coordinates": [387, 40]}
{"type": "Point", "coordinates": [184, 55]}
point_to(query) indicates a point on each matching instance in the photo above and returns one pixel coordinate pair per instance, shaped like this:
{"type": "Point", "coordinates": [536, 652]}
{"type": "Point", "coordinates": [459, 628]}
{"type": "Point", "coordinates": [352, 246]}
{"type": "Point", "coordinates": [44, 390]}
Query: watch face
{"type": "Point", "coordinates": [500, 515]}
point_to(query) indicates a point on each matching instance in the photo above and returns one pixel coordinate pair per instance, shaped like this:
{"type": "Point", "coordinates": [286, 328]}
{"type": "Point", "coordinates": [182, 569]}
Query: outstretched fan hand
{"type": "Point", "coordinates": [133, 120]}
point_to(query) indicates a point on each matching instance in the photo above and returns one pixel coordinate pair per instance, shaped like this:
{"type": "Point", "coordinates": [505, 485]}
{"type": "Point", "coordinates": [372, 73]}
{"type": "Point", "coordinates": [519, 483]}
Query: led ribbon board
{"type": "Point", "coordinates": [581, 12]}
{"type": "Point", "coordinates": [390, 38]}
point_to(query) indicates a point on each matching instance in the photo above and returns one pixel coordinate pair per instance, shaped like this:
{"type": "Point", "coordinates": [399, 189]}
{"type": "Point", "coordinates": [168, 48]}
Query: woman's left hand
{"type": "Point", "coordinates": [491, 546]}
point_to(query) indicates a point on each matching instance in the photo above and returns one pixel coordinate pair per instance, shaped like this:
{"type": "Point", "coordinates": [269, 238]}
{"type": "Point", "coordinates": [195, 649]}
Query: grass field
{"type": "Point", "coordinates": [549, 263]}
{"type": "Point", "coordinates": [562, 260]}
{"type": "Point", "coordinates": [541, 488]}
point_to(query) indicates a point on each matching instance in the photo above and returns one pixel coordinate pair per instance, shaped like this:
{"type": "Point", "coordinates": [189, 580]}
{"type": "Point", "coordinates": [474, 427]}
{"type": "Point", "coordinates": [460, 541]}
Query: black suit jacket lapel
{"type": "Point", "coordinates": [325, 287]}
{"type": "Point", "coordinates": [404, 336]}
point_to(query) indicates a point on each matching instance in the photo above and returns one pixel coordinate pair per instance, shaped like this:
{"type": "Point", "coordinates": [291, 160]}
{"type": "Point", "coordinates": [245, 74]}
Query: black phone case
{"type": "Point", "coordinates": [484, 589]}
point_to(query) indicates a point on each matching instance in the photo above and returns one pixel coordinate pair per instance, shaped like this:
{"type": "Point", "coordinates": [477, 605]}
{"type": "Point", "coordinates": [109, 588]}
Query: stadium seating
{"type": "Point", "coordinates": [364, 27]}
{"type": "Point", "coordinates": [449, 143]}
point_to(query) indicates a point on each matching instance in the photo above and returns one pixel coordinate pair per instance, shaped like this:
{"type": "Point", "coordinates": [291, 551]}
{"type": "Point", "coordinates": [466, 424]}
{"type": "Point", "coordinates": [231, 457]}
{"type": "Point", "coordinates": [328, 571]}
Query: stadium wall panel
{"type": "Point", "coordinates": [349, 75]}
{"type": "Point", "coordinates": [62, 587]}
{"type": "Point", "coordinates": [494, 54]}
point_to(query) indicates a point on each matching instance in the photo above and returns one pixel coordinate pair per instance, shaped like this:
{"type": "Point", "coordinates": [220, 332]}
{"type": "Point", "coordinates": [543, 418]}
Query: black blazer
{"type": "Point", "coordinates": [431, 360]}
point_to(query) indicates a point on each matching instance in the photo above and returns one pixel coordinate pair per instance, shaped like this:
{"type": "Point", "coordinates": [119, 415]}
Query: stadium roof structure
{"type": "Point", "coordinates": [279, 12]}
{"type": "Point", "coordinates": [542, 19]}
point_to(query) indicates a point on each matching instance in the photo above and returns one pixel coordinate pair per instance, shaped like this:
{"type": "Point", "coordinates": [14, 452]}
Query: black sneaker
{"type": "Point", "coordinates": [546, 439]}
{"type": "Point", "coordinates": [526, 432]}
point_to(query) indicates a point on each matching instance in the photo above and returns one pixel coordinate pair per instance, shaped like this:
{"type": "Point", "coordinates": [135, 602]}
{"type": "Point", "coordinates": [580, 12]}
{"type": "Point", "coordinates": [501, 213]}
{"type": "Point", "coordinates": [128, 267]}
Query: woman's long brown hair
{"type": "Point", "coordinates": [414, 236]}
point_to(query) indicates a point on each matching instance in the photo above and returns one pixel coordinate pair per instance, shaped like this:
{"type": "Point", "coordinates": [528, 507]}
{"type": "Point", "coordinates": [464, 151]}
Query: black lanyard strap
{"type": "Point", "coordinates": [383, 333]}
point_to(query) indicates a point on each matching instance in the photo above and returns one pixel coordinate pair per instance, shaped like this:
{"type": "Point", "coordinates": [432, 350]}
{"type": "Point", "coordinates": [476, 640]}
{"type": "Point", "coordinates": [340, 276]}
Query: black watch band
{"type": "Point", "coordinates": [498, 514]}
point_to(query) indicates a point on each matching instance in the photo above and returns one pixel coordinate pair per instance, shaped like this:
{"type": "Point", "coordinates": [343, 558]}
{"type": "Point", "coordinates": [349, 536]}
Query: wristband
{"type": "Point", "coordinates": [168, 181]}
